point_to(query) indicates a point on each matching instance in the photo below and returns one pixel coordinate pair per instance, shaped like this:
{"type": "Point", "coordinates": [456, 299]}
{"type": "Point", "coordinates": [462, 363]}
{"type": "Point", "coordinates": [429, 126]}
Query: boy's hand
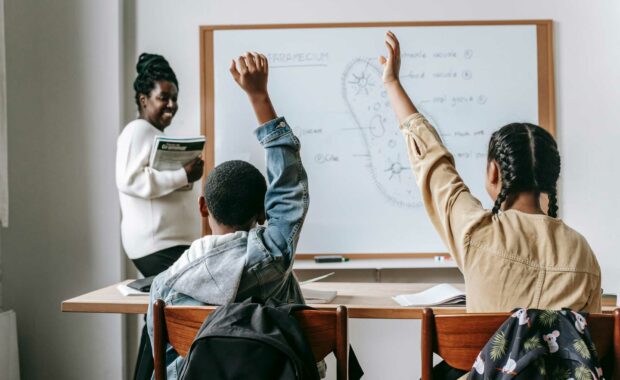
{"type": "Point", "coordinates": [251, 73]}
{"type": "Point", "coordinates": [391, 64]}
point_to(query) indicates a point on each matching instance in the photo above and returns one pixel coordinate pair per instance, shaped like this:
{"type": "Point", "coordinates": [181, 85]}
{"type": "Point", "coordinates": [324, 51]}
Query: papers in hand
{"type": "Point", "coordinates": [127, 291]}
{"type": "Point", "coordinates": [438, 295]}
{"type": "Point", "coordinates": [172, 153]}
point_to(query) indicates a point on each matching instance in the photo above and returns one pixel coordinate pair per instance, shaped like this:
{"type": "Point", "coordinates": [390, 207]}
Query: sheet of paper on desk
{"type": "Point", "coordinates": [310, 281]}
{"type": "Point", "coordinates": [438, 295]}
{"type": "Point", "coordinates": [127, 291]}
{"type": "Point", "coordinates": [318, 296]}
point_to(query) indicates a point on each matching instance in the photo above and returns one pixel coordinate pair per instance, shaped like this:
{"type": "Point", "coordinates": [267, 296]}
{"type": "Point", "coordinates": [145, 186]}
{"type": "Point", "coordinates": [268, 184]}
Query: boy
{"type": "Point", "coordinates": [242, 259]}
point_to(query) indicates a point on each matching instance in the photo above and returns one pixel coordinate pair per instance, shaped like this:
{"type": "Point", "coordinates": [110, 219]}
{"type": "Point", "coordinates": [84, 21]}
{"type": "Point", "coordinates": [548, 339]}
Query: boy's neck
{"type": "Point", "coordinates": [222, 230]}
{"type": "Point", "coordinates": [527, 202]}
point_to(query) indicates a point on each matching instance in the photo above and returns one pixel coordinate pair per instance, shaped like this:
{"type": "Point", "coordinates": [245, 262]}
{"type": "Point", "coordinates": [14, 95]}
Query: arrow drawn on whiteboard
{"type": "Point", "coordinates": [386, 156]}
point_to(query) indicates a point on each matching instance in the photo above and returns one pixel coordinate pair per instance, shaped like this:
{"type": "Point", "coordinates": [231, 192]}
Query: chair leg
{"type": "Point", "coordinates": [428, 332]}
{"type": "Point", "coordinates": [160, 339]}
{"type": "Point", "coordinates": [342, 343]}
{"type": "Point", "coordinates": [616, 349]}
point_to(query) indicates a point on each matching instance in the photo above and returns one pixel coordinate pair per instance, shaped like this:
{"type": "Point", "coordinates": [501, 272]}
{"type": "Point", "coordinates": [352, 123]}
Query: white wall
{"type": "Point", "coordinates": [63, 72]}
{"type": "Point", "coordinates": [588, 88]}
{"type": "Point", "coordinates": [587, 79]}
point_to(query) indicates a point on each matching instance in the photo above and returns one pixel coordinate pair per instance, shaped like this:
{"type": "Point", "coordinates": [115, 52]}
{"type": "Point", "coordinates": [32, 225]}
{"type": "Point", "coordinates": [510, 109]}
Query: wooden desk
{"type": "Point", "coordinates": [364, 300]}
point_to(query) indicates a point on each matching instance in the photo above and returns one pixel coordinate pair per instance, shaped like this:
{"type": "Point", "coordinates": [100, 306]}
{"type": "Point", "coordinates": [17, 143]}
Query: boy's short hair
{"type": "Point", "coordinates": [235, 193]}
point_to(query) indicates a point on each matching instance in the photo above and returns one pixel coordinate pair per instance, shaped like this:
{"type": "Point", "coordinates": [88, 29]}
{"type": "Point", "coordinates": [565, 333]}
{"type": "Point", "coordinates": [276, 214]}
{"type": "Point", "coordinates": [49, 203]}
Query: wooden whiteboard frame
{"type": "Point", "coordinates": [546, 87]}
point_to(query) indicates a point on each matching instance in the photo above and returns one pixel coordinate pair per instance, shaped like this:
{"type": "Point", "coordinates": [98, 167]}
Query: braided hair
{"type": "Point", "coordinates": [151, 68]}
{"type": "Point", "coordinates": [528, 160]}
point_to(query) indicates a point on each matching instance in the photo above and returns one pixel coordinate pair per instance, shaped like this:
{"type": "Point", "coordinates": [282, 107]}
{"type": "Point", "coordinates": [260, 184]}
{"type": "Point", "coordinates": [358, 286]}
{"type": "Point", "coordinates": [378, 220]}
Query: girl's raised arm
{"type": "Point", "coordinates": [453, 210]}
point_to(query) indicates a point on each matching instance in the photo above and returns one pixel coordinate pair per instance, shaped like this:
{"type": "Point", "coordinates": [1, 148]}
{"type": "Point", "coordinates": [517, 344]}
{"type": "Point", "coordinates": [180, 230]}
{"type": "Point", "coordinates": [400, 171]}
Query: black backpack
{"type": "Point", "coordinates": [251, 340]}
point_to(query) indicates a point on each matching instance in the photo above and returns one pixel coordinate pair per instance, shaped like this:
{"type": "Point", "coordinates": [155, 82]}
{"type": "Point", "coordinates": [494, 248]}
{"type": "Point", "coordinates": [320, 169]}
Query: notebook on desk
{"type": "Point", "coordinates": [127, 291]}
{"type": "Point", "coordinates": [438, 295]}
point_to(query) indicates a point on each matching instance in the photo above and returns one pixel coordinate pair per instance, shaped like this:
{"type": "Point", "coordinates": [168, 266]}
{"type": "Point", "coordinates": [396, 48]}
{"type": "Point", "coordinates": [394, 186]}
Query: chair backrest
{"type": "Point", "coordinates": [326, 331]}
{"type": "Point", "coordinates": [458, 338]}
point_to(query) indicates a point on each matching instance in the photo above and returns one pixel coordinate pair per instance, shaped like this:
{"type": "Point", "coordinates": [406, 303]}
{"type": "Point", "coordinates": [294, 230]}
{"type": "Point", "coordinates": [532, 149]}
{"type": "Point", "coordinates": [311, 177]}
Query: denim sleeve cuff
{"type": "Point", "coordinates": [272, 130]}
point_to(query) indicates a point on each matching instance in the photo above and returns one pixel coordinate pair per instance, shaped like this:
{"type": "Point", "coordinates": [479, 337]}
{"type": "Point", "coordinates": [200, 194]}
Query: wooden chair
{"type": "Point", "coordinates": [326, 331]}
{"type": "Point", "coordinates": [458, 338]}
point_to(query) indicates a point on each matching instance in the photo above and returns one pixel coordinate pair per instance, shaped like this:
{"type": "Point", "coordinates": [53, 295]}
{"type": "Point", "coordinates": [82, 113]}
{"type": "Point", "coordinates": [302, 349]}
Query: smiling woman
{"type": "Point", "coordinates": [156, 228]}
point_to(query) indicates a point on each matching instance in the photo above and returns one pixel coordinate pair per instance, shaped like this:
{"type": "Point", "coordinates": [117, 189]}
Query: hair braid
{"type": "Point", "coordinates": [501, 197]}
{"type": "Point", "coordinates": [503, 154]}
{"type": "Point", "coordinates": [553, 204]}
{"type": "Point", "coordinates": [547, 166]}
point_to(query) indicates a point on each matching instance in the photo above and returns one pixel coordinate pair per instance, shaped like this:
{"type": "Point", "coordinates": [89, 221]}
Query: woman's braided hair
{"type": "Point", "coordinates": [528, 160]}
{"type": "Point", "coordinates": [151, 68]}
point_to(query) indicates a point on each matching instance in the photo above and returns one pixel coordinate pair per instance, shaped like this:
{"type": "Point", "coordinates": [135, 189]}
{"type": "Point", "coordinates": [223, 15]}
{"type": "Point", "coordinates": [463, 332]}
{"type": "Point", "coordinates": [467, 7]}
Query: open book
{"type": "Point", "coordinates": [172, 153]}
{"type": "Point", "coordinates": [438, 295]}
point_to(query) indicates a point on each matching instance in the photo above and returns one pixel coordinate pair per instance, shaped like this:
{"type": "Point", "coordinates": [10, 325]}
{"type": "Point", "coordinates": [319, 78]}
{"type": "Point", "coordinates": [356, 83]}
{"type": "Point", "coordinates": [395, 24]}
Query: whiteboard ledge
{"type": "Point", "coordinates": [422, 263]}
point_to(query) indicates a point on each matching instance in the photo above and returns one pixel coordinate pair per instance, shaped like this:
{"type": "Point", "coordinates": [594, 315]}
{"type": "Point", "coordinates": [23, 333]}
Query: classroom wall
{"type": "Point", "coordinates": [63, 83]}
{"type": "Point", "coordinates": [586, 63]}
{"type": "Point", "coordinates": [588, 86]}
{"type": "Point", "coordinates": [66, 63]}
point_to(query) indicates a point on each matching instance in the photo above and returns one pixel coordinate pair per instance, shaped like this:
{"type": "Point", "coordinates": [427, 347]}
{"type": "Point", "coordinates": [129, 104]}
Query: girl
{"type": "Point", "coordinates": [514, 255]}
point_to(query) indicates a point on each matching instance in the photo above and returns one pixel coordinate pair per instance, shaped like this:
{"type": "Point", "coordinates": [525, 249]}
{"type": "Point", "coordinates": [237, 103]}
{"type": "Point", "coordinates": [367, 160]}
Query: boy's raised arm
{"type": "Point", "coordinates": [286, 200]}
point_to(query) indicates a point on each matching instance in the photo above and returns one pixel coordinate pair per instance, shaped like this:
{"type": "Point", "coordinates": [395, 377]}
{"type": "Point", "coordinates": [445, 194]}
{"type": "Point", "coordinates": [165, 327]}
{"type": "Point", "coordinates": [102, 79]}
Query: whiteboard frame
{"type": "Point", "coordinates": [546, 88]}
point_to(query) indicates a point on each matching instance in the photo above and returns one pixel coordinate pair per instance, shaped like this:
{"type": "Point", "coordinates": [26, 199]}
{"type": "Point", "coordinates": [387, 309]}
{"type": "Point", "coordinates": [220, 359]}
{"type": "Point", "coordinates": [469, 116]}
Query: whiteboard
{"type": "Point", "coordinates": [468, 80]}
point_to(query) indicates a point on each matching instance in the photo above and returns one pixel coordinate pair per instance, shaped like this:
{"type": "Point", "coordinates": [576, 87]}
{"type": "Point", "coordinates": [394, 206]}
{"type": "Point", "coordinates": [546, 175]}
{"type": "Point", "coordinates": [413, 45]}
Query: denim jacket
{"type": "Point", "coordinates": [217, 270]}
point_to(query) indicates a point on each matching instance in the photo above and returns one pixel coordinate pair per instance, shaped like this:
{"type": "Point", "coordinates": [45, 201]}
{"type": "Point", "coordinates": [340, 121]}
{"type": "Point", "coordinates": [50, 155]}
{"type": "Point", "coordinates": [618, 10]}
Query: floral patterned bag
{"type": "Point", "coordinates": [540, 344]}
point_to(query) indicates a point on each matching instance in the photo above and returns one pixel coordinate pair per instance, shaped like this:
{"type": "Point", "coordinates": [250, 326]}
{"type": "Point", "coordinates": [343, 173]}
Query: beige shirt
{"type": "Point", "coordinates": [512, 259]}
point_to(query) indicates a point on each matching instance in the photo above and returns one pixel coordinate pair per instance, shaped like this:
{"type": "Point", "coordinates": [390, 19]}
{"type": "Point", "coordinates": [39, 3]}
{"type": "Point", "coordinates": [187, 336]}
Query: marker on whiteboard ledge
{"type": "Point", "coordinates": [442, 258]}
{"type": "Point", "coordinates": [330, 259]}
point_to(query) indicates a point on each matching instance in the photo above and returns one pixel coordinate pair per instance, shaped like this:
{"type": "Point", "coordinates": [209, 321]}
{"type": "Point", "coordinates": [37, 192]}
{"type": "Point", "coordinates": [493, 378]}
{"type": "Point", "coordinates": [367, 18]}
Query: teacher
{"type": "Point", "coordinates": [158, 222]}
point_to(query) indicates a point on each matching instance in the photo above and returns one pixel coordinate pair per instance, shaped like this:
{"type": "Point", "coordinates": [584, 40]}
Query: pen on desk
{"type": "Point", "coordinates": [330, 259]}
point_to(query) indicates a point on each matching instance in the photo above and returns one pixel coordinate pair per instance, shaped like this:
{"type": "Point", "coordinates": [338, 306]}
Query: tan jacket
{"type": "Point", "coordinates": [512, 259]}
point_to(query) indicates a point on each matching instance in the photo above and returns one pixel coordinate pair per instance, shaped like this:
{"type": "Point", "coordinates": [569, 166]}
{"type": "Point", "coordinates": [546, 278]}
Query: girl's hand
{"type": "Point", "coordinates": [391, 64]}
{"type": "Point", "coordinates": [251, 73]}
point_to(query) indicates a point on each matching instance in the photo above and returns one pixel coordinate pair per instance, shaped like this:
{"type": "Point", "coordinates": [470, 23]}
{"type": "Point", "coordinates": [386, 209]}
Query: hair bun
{"type": "Point", "coordinates": [146, 61]}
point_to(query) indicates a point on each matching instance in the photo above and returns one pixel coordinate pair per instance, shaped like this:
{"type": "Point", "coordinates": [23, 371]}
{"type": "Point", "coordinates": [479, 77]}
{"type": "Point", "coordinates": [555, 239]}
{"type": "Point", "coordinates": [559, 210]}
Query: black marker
{"type": "Point", "coordinates": [330, 259]}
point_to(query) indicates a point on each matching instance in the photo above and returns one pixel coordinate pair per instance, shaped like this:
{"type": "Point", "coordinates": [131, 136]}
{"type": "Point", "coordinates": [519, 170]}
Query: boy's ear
{"type": "Point", "coordinates": [261, 218]}
{"type": "Point", "coordinates": [202, 206]}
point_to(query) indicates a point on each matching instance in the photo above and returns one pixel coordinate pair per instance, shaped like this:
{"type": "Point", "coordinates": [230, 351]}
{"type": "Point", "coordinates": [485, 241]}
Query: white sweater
{"type": "Point", "coordinates": [154, 215]}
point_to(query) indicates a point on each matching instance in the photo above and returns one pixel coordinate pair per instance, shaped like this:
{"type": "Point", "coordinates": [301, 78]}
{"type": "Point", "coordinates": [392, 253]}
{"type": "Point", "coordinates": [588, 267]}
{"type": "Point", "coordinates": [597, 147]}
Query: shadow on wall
{"type": "Point", "coordinates": [63, 90]}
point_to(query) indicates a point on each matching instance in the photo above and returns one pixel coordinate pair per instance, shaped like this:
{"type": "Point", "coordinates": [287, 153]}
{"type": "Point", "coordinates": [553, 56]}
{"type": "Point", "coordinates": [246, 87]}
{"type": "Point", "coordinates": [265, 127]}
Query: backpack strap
{"type": "Point", "coordinates": [288, 308]}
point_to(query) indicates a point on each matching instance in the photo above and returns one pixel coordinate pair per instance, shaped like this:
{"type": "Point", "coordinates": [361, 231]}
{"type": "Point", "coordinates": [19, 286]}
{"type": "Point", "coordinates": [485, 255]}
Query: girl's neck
{"type": "Point", "coordinates": [527, 202]}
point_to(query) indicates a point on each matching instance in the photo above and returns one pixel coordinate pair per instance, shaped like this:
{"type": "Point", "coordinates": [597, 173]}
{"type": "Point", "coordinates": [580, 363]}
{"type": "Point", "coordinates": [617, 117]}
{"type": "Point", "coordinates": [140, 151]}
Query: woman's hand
{"type": "Point", "coordinates": [194, 169]}
{"type": "Point", "coordinates": [391, 64]}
